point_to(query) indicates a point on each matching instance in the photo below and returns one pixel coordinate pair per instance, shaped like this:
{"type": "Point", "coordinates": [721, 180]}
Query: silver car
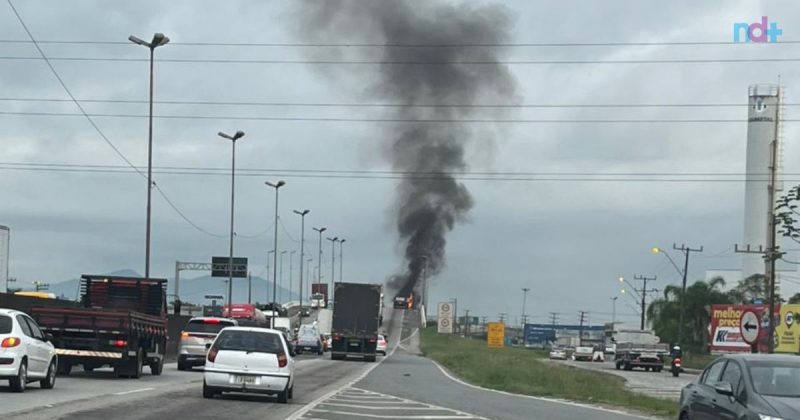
{"type": "Point", "coordinates": [195, 335]}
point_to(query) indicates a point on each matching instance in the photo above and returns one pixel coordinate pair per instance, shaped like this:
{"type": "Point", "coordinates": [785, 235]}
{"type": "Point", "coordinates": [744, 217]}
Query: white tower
{"type": "Point", "coordinates": [764, 126]}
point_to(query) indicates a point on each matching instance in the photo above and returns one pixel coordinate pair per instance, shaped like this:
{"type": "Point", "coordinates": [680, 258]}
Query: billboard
{"type": "Point", "coordinates": [725, 330]}
{"type": "Point", "coordinates": [445, 318]}
{"type": "Point", "coordinates": [539, 335]}
{"type": "Point", "coordinates": [787, 332]}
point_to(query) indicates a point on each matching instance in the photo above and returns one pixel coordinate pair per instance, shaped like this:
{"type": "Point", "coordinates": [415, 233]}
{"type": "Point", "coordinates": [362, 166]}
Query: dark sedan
{"type": "Point", "coordinates": [745, 387]}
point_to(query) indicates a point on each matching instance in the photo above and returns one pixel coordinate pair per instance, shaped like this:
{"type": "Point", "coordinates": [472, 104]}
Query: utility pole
{"type": "Point", "coordinates": [319, 257]}
{"type": "Point", "coordinates": [9, 280]}
{"type": "Point", "coordinates": [503, 317]}
{"type": "Point", "coordinates": [455, 311]}
{"type": "Point", "coordinates": [643, 293]}
{"type": "Point", "coordinates": [770, 255]}
{"type": "Point", "coordinates": [39, 286]}
{"type": "Point", "coordinates": [249, 288]}
{"type": "Point", "coordinates": [466, 323]}
{"type": "Point", "coordinates": [580, 328]}
{"type": "Point", "coordinates": [686, 251]}
{"type": "Point", "coordinates": [525, 291]}
{"type": "Point", "coordinates": [302, 215]}
{"type": "Point", "coordinates": [614, 311]}
{"type": "Point", "coordinates": [484, 319]}
{"type": "Point", "coordinates": [554, 318]}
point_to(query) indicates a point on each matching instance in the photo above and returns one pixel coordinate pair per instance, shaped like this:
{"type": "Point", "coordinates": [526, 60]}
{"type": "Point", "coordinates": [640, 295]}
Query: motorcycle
{"type": "Point", "coordinates": [676, 366]}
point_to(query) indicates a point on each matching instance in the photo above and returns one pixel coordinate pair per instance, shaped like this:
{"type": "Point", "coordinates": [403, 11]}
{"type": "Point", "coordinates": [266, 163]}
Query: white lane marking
{"type": "Point", "coordinates": [389, 407]}
{"type": "Point", "coordinates": [552, 400]}
{"type": "Point", "coordinates": [301, 412]}
{"type": "Point", "coordinates": [393, 416]}
{"type": "Point", "coordinates": [134, 391]}
{"type": "Point", "coordinates": [418, 402]}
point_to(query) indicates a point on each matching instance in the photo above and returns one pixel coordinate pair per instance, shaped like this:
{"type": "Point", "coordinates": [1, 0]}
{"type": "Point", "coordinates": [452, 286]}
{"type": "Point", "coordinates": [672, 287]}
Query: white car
{"type": "Point", "coordinates": [256, 360]}
{"type": "Point", "coordinates": [26, 354]}
{"type": "Point", "coordinates": [382, 345]}
{"type": "Point", "coordinates": [558, 354]}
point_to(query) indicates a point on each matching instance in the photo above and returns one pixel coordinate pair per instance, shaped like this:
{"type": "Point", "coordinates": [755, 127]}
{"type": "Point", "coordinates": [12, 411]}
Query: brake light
{"type": "Point", "coordinates": [210, 321]}
{"type": "Point", "coordinates": [120, 343]}
{"type": "Point", "coordinates": [212, 354]}
{"type": "Point", "coordinates": [10, 342]}
{"type": "Point", "coordinates": [677, 360]}
{"type": "Point", "coordinates": [184, 335]}
{"type": "Point", "coordinates": [282, 360]}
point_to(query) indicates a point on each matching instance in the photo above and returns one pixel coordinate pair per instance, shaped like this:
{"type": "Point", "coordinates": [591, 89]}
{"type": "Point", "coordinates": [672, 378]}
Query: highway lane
{"type": "Point", "coordinates": [176, 394]}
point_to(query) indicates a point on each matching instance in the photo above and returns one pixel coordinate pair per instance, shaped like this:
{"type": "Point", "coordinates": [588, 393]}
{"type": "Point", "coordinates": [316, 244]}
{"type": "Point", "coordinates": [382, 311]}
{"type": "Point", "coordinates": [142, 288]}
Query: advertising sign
{"type": "Point", "coordinates": [495, 334]}
{"type": "Point", "coordinates": [787, 332]}
{"type": "Point", "coordinates": [445, 318]}
{"type": "Point", "coordinates": [726, 329]}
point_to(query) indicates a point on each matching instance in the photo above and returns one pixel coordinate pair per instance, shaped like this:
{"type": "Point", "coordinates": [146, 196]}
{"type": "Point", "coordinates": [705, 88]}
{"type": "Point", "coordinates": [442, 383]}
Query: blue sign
{"type": "Point", "coordinates": [541, 334]}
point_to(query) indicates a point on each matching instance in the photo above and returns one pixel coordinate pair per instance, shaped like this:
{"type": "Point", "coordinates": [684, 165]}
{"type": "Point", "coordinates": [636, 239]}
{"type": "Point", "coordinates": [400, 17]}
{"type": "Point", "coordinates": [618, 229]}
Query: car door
{"type": "Point", "coordinates": [41, 348]}
{"type": "Point", "coordinates": [702, 394]}
{"type": "Point", "coordinates": [29, 345]}
{"type": "Point", "coordinates": [725, 407]}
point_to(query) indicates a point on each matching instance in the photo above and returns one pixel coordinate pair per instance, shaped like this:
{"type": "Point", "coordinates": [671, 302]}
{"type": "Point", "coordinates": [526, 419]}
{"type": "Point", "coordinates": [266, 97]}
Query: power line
{"type": "Point", "coordinates": [93, 124]}
{"type": "Point", "coordinates": [391, 105]}
{"type": "Point", "coordinates": [413, 62]}
{"type": "Point", "coordinates": [406, 45]}
{"type": "Point", "coordinates": [393, 120]}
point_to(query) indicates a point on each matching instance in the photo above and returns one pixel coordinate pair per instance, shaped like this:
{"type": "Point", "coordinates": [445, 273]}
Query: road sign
{"type": "Point", "coordinates": [749, 326]}
{"type": "Point", "coordinates": [213, 297]}
{"type": "Point", "coordinates": [445, 317]}
{"type": "Point", "coordinates": [495, 337]}
{"type": "Point", "coordinates": [219, 267]}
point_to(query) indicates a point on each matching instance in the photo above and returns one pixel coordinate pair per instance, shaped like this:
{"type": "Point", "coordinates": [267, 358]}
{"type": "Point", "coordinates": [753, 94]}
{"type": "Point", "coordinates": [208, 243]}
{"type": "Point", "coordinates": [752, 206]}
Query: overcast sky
{"type": "Point", "coordinates": [566, 240]}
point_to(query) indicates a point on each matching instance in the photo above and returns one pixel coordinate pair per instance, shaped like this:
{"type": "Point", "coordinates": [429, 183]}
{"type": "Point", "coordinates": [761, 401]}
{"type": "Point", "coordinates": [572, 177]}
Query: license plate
{"type": "Point", "coordinates": [354, 344]}
{"type": "Point", "coordinates": [247, 380]}
{"type": "Point", "coordinates": [649, 356]}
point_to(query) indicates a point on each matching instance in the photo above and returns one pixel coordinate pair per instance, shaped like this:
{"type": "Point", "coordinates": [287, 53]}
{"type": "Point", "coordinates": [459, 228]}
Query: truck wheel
{"type": "Point", "coordinates": [64, 369]}
{"type": "Point", "coordinates": [617, 365]}
{"type": "Point", "coordinates": [156, 367]}
{"type": "Point", "coordinates": [19, 382]}
{"type": "Point", "coordinates": [88, 368]}
{"type": "Point", "coordinates": [49, 381]}
{"type": "Point", "coordinates": [628, 366]}
{"type": "Point", "coordinates": [137, 365]}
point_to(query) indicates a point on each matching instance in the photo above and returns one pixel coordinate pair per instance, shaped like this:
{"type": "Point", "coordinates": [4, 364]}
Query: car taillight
{"type": "Point", "coordinates": [677, 360]}
{"type": "Point", "coordinates": [119, 343]}
{"type": "Point", "coordinates": [212, 355]}
{"type": "Point", "coordinates": [282, 360]}
{"type": "Point", "coordinates": [184, 335]}
{"type": "Point", "coordinates": [210, 321]}
{"type": "Point", "coordinates": [10, 342]}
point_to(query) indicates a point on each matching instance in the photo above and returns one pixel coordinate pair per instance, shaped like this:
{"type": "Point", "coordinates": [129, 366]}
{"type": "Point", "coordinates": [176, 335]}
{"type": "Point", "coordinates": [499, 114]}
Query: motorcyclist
{"type": "Point", "coordinates": [676, 352]}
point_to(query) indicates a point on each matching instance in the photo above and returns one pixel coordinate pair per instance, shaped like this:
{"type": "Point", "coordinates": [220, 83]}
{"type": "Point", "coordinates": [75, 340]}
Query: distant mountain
{"type": "Point", "coordinates": [195, 289]}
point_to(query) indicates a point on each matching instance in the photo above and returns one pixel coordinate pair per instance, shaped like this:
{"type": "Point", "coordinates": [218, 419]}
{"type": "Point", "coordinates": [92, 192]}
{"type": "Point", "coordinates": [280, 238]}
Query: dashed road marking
{"type": "Point", "coordinates": [357, 403]}
{"type": "Point", "coordinates": [134, 391]}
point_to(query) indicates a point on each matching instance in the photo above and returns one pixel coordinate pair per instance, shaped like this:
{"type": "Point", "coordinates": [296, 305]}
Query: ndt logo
{"type": "Point", "coordinates": [762, 32]}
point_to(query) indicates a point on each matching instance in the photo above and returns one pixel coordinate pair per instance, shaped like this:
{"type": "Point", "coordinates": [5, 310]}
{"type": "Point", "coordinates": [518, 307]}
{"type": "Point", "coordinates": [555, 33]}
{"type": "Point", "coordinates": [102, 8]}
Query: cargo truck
{"type": "Point", "coordinates": [639, 348]}
{"type": "Point", "coordinates": [121, 322]}
{"type": "Point", "coordinates": [356, 320]}
{"type": "Point", "coordinates": [319, 295]}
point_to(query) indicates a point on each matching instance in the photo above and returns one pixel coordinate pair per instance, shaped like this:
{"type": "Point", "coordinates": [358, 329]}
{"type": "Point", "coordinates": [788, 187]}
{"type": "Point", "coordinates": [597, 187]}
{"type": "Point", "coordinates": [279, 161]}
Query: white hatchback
{"type": "Point", "coordinates": [256, 360]}
{"type": "Point", "coordinates": [26, 354]}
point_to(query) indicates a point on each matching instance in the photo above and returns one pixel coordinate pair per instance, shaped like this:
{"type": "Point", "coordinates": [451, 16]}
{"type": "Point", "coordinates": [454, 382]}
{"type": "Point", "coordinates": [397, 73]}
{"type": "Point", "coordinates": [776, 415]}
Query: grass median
{"type": "Point", "coordinates": [520, 371]}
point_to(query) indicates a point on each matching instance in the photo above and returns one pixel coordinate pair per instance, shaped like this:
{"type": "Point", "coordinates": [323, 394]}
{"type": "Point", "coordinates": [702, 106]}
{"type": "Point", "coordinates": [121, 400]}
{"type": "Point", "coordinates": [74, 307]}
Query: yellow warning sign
{"type": "Point", "coordinates": [495, 334]}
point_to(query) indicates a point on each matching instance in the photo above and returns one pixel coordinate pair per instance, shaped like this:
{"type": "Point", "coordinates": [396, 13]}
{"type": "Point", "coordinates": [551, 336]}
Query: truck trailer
{"type": "Point", "coordinates": [356, 320]}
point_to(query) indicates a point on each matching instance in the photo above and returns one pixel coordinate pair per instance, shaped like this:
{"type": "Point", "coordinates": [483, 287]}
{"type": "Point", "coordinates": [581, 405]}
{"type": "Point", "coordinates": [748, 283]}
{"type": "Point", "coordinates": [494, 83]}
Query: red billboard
{"type": "Point", "coordinates": [725, 332]}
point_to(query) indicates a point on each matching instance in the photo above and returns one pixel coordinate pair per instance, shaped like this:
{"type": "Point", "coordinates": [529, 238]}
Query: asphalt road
{"type": "Point", "coordinates": [404, 385]}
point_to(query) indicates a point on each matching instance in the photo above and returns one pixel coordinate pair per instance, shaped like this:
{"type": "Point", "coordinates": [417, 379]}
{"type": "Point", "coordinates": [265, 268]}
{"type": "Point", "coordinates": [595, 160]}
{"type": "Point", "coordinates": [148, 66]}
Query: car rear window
{"type": "Point", "coordinates": [207, 326]}
{"type": "Point", "coordinates": [5, 324]}
{"type": "Point", "coordinates": [249, 341]}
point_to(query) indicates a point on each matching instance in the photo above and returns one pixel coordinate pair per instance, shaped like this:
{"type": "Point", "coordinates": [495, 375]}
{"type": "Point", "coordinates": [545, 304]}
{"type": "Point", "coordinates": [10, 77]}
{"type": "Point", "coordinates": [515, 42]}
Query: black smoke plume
{"type": "Point", "coordinates": [431, 37]}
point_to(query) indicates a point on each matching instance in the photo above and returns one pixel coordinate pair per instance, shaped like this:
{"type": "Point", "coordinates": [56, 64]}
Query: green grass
{"type": "Point", "coordinates": [521, 371]}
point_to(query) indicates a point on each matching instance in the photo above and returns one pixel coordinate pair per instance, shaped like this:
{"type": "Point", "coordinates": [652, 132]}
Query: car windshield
{"type": "Point", "coordinates": [778, 379]}
{"type": "Point", "coordinates": [207, 326]}
{"type": "Point", "coordinates": [5, 324]}
{"type": "Point", "coordinates": [249, 341]}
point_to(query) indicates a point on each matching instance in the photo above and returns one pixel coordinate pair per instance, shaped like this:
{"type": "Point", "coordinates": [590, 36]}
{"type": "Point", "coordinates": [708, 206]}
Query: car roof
{"type": "Point", "coordinates": [254, 329]}
{"type": "Point", "coordinates": [753, 357]}
{"type": "Point", "coordinates": [4, 311]}
{"type": "Point", "coordinates": [203, 318]}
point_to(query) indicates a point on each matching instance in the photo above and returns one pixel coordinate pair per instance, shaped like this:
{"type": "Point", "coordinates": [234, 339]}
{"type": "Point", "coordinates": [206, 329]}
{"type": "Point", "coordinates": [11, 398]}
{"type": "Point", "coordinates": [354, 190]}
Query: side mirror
{"type": "Point", "coordinates": [208, 346]}
{"type": "Point", "coordinates": [724, 388]}
{"type": "Point", "coordinates": [49, 337]}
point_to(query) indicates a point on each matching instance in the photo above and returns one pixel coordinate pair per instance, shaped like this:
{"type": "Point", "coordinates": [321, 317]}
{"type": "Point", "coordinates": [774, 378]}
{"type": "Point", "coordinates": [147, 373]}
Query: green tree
{"type": "Point", "coordinates": [664, 312]}
{"type": "Point", "coordinates": [752, 288]}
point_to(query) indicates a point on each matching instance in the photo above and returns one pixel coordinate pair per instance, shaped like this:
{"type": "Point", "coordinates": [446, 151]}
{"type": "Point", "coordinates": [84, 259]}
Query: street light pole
{"type": "Point", "coordinates": [302, 215]}
{"type": "Point", "coordinates": [341, 245]}
{"type": "Point", "coordinates": [158, 40]}
{"type": "Point", "coordinates": [319, 258]}
{"type": "Point", "coordinates": [239, 134]}
{"type": "Point", "coordinates": [525, 291]}
{"type": "Point", "coordinates": [291, 269]}
{"type": "Point", "coordinates": [614, 311]}
{"type": "Point", "coordinates": [281, 276]}
{"type": "Point", "coordinates": [333, 261]}
{"type": "Point", "coordinates": [277, 187]}
{"type": "Point", "coordinates": [685, 250]}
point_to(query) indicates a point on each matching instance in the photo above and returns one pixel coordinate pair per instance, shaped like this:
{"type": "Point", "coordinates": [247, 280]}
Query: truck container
{"type": "Point", "coordinates": [121, 322]}
{"type": "Point", "coordinates": [247, 315]}
{"type": "Point", "coordinates": [356, 320]}
{"type": "Point", "coordinates": [315, 300]}
{"type": "Point", "coordinates": [324, 320]}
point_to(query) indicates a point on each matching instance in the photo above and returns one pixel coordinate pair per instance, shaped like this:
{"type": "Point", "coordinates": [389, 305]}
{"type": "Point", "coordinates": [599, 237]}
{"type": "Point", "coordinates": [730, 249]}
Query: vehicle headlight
{"type": "Point", "coordinates": [766, 417]}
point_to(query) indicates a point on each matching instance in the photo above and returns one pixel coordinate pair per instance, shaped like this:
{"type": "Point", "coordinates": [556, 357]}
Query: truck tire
{"type": "Point", "coordinates": [157, 366]}
{"type": "Point", "coordinates": [133, 368]}
{"type": "Point", "coordinates": [628, 366]}
{"type": "Point", "coordinates": [49, 381]}
{"type": "Point", "coordinates": [617, 365]}
{"type": "Point", "coordinates": [64, 369]}
{"type": "Point", "coordinates": [19, 382]}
